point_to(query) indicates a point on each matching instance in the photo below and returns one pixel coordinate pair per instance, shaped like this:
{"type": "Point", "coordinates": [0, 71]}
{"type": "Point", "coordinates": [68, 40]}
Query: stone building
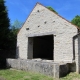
{"type": "Point", "coordinates": [48, 36]}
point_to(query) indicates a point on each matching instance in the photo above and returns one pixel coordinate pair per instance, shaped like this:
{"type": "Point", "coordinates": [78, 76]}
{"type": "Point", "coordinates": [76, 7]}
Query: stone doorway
{"type": "Point", "coordinates": [41, 47]}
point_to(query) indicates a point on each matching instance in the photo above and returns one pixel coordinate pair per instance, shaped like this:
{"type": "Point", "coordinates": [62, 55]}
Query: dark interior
{"type": "Point", "coordinates": [43, 47]}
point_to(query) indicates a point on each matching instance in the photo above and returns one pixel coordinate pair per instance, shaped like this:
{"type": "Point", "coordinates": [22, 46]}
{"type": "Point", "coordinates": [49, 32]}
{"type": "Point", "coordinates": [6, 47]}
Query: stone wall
{"type": "Point", "coordinates": [78, 54]}
{"type": "Point", "coordinates": [44, 22]}
{"type": "Point", "coordinates": [40, 66]}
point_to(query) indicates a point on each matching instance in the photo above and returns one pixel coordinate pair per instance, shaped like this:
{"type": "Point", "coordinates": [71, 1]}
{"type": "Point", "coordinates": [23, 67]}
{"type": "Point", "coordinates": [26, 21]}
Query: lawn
{"type": "Point", "coordinates": [23, 75]}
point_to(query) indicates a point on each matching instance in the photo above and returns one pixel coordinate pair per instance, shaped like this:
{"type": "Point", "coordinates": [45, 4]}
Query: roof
{"type": "Point", "coordinates": [52, 12]}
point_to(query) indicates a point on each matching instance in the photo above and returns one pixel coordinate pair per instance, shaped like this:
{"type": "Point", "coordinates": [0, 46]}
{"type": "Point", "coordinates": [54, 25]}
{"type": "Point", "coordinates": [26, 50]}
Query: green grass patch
{"type": "Point", "coordinates": [23, 75]}
{"type": "Point", "coordinates": [71, 76]}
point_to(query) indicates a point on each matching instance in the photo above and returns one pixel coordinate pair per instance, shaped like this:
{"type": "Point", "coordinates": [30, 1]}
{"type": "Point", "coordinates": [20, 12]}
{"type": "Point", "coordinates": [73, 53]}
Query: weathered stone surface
{"type": "Point", "coordinates": [48, 68]}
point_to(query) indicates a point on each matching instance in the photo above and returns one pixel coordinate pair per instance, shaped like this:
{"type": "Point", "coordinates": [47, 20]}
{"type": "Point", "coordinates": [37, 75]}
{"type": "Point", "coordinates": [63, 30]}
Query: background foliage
{"type": "Point", "coordinates": [50, 8]}
{"type": "Point", "coordinates": [4, 25]}
{"type": "Point", "coordinates": [76, 20]}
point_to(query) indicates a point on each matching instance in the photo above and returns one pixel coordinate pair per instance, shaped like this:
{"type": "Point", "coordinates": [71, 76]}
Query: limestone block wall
{"type": "Point", "coordinates": [22, 46]}
{"type": "Point", "coordinates": [44, 22]}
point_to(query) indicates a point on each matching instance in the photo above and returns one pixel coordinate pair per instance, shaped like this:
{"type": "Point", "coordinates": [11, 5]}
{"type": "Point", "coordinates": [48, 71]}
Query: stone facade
{"type": "Point", "coordinates": [41, 22]}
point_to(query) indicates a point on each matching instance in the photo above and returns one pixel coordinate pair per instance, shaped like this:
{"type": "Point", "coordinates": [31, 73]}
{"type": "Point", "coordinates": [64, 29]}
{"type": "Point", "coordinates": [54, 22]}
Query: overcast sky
{"type": "Point", "coordinates": [20, 9]}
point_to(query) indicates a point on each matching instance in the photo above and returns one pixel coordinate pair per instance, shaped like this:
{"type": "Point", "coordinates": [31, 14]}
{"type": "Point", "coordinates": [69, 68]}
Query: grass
{"type": "Point", "coordinates": [23, 75]}
{"type": "Point", "coordinates": [71, 76]}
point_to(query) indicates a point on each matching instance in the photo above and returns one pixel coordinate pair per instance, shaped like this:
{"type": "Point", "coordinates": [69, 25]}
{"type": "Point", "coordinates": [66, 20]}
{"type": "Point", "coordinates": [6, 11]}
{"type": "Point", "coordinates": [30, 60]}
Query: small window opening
{"type": "Point", "coordinates": [53, 21]}
{"type": "Point", "coordinates": [27, 28]}
{"type": "Point", "coordinates": [37, 10]}
{"type": "Point", "coordinates": [39, 26]}
{"type": "Point", "coordinates": [45, 22]}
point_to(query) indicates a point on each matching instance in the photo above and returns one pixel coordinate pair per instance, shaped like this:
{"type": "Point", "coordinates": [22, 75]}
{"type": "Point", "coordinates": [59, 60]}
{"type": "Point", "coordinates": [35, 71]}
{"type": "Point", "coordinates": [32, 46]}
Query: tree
{"type": "Point", "coordinates": [4, 25]}
{"type": "Point", "coordinates": [76, 20]}
{"type": "Point", "coordinates": [13, 38]}
{"type": "Point", "coordinates": [50, 8]}
{"type": "Point", "coordinates": [13, 33]}
{"type": "Point", "coordinates": [17, 24]}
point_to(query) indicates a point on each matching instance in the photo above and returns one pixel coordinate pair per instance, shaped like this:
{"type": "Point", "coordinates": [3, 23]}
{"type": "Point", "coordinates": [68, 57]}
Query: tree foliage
{"type": "Point", "coordinates": [4, 25]}
{"type": "Point", "coordinates": [13, 33]}
{"type": "Point", "coordinates": [17, 24]}
{"type": "Point", "coordinates": [76, 20]}
{"type": "Point", "coordinates": [8, 36]}
{"type": "Point", "coordinates": [50, 8]}
{"type": "Point", "coordinates": [13, 38]}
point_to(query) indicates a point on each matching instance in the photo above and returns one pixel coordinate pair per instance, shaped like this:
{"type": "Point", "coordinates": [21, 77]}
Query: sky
{"type": "Point", "coordinates": [20, 9]}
